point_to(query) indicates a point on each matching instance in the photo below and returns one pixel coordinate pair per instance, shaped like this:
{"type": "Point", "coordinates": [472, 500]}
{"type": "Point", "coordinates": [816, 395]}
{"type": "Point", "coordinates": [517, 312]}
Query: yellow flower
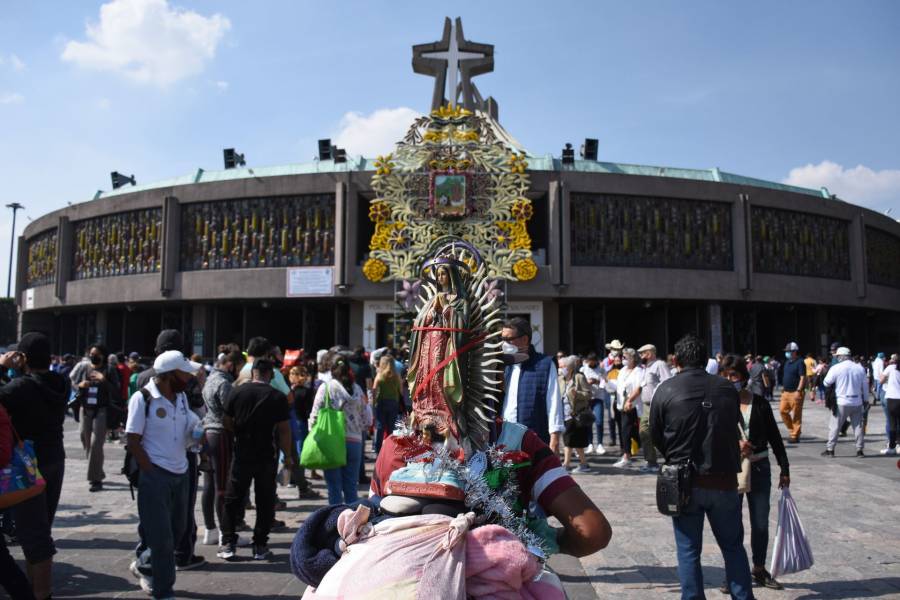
{"type": "Point", "coordinates": [374, 270]}
{"type": "Point", "coordinates": [522, 210]}
{"type": "Point", "coordinates": [524, 270]}
{"type": "Point", "coordinates": [450, 111]}
{"type": "Point", "coordinates": [379, 211]}
{"type": "Point", "coordinates": [517, 163]}
{"type": "Point", "coordinates": [383, 165]}
{"type": "Point", "coordinates": [520, 237]}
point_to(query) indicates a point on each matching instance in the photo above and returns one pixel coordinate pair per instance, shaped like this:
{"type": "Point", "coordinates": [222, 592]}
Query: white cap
{"type": "Point", "coordinates": [792, 347]}
{"type": "Point", "coordinates": [647, 348]}
{"type": "Point", "coordinates": [842, 351]}
{"type": "Point", "coordinates": [173, 360]}
{"type": "Point", "coordinates": [320, 355]}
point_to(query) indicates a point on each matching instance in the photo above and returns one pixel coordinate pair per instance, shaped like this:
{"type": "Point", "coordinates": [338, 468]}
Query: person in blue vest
{"type": "Point", "coordinates": [531, 395]}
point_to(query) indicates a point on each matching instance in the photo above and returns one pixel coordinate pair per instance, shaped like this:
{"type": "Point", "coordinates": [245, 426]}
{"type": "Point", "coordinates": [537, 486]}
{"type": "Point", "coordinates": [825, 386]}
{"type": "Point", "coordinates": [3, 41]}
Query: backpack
{"type": "Point", "coordinates": [130, 468]}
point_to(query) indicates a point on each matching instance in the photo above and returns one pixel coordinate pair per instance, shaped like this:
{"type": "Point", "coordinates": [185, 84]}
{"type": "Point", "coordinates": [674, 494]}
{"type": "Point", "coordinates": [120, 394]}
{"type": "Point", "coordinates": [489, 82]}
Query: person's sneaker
{"type": "Point", "coordinates": [192, 563]}
{"type": "Point", "coordinates": [242, 526]}
{"type": "Point", "coordinates": [308, 494]}
{"type": "Point", "coordinates": [146, 584]}
{"type": "Point", "coordinates": [140, 569]}
{"type": "Point", "coordinates": [96, 486]}
{"type": "Point", "coordinates": [622, 463]}
{"type": "Point", "coordinates": [599, 450]}
{"type": "Point", "coordinates": [277, 523]}
{"type": "Point", "coordinates": [860, 454]}
{"type": "Point", "coordinates": [828, 453]}
{"type": "Point", "coordinates": [226, 552]}
{"type": "Point", "coordinates": [211, 537]}
{"type": "Point", "coordinates": [650, 469]}
{"type": "Point", "coordinates": [261, 552]}
{"type": "Point", "coordinates": [889, 452]}
{"type": "Point", "coordinates": [589, 449]}
{"type": "Point", "coordinates": [724, 588]}
{"type": "Point", "coordinates": [582, 469]}
{"type": "Point", "coordinates": [765, 579]}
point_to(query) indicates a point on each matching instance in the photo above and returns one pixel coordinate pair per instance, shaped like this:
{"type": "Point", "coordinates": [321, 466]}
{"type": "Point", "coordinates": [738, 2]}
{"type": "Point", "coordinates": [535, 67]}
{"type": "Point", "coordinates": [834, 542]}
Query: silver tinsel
{"type": "Point", "coordinates": [490, 506]}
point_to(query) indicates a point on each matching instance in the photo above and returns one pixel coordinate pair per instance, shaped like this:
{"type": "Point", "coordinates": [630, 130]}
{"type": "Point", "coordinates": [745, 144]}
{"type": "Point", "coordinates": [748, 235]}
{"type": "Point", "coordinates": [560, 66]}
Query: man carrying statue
{"type": "Point", "coordinates": [458, 473]}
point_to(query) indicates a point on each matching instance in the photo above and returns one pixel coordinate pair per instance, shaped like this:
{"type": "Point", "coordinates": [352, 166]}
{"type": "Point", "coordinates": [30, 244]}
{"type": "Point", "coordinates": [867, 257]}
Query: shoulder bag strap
{"type": "Point", "coordinates": [705, 405]}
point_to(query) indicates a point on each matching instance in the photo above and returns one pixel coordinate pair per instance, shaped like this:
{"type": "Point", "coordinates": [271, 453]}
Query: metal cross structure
{"type": "Point", "coordinates": [457, 57]}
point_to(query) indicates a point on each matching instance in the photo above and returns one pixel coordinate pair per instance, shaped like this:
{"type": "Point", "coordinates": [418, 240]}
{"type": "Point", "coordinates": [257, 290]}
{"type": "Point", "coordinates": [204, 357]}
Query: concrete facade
{"type": "Point", "coordinates": [564, 290]}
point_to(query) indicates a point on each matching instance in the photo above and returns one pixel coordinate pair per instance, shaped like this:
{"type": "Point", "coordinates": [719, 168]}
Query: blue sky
{"type": "Point", "coordinates": [805, 92]}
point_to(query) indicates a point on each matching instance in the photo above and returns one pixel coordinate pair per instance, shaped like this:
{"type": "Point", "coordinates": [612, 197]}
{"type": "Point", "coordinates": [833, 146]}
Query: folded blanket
{"type": "Point", "coordinates": [313, 551]}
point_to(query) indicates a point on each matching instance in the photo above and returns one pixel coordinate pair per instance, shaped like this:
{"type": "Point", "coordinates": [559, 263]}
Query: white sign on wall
{"type": "Point", "coordinates": [310, 281]}
{"type": "Point", "coordinates": [29, 298]}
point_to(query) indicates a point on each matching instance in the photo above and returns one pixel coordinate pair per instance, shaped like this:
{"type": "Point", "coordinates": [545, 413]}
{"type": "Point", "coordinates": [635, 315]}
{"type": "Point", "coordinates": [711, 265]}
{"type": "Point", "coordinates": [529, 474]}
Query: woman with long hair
{"type": "Point", "coordinates": [342, 394]}
{"type": "Point", "coordinates": [388, 388]}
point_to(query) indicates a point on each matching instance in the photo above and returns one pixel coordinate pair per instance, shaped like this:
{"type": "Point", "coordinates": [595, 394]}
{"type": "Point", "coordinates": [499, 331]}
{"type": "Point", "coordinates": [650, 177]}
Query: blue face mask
{"type": "Point", "coordinates": [787, 354]}
{"type": "Point", "coordinates": [11, 373]}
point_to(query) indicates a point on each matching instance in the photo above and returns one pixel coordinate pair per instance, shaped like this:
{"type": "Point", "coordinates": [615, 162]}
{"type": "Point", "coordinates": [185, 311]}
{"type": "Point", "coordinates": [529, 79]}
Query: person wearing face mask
{"type": "Point", "coordinates": [628, 387]}
{"type": "Point", "coordinates": [97, 391]}
{"type": "Point", "coordinates": [655, 371]}
{"type": "Point", "coordinates": [793, 382]}
{"type": "Point", "coordinates": [762, 431]}
{"type": "Point", "coordinates": [219, 441]}
{"type": "Point", "coordinates": [159, 429]}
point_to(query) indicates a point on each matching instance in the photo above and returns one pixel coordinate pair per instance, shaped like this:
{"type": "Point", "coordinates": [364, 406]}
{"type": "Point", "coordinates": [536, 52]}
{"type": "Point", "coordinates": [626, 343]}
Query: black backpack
{"type": "Point", "coordinates": [130, 468]}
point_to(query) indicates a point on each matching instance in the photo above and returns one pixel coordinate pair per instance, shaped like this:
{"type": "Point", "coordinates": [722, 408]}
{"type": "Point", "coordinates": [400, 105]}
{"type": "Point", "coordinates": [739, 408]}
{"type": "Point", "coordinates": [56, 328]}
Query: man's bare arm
{"type": "Point", "coordinates": [585, 528]}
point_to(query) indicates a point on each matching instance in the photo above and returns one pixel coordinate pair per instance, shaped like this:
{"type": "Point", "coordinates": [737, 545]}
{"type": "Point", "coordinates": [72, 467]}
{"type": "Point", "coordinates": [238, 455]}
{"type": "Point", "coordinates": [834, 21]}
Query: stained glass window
{"type": "Point", "coordinates": [41, 259]}
{"type": "Point", "coordinates": [788, 242]}
{"type": "Point", "coordinates": [645, 231]}
{"type": "Point", "coordinates": [120, 244]}
{"type": "Point", "coordinates": [282, 231]}
{"type": "Point", "coordinates": [882, 257]}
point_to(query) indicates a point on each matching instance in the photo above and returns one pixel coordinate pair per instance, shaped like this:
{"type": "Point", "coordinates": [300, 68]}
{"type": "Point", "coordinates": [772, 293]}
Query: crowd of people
{"type": "Point", "coordinates": [241, 420]}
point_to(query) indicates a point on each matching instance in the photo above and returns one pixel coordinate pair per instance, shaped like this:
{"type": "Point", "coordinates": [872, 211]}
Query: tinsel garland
{"type": "Point", "coordinates": [489, 505]}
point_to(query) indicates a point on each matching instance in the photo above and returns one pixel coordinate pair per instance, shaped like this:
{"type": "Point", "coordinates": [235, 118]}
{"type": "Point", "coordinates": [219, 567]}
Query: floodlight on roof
{"type": "Point", "coordinates": [589, 149]}
{"type": "Point", "coordinates": [118, 180]}
{"type": "Point", "coordinates": [325, 149]}
{"type": "Point", "coordinates": [233, 159]}
{"type": "Point", "coordinates": [339, 155]}
{"type": "Point", "coordinates": [568, 155]}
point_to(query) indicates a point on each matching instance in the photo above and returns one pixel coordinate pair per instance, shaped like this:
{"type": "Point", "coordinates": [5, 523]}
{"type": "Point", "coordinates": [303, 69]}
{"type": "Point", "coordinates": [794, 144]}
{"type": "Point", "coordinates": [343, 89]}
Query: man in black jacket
{"type": "Point", "coordinates": [694, 417]}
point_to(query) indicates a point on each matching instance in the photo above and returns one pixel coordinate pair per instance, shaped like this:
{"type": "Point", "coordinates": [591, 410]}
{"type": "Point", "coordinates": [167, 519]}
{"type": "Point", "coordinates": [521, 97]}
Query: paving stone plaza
{"type": "Point", "coordinates": [850, 508]}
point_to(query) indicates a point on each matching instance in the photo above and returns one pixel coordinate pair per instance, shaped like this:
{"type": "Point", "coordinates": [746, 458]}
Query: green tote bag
{"type": "Point", "coordinates": [325, 447]}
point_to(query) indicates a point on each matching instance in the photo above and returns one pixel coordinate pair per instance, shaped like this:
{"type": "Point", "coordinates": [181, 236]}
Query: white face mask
{"type": "Point", "coordinates": [509, 348]}
{"type": "Point", "coordinates": [564, 371]}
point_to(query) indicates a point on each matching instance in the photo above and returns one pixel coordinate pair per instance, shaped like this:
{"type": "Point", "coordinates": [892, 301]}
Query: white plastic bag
{"type": "Point", "coordinates": [791, 552]}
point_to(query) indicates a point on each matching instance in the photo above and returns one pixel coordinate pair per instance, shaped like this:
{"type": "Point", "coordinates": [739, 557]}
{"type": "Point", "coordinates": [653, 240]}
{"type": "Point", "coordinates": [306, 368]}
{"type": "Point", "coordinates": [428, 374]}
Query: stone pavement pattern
{"type": "Point", "coordinates": [850, 508]}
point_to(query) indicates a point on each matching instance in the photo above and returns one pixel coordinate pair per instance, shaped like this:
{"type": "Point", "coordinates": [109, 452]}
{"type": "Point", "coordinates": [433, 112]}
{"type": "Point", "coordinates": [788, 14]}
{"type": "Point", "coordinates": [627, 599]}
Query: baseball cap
{"type": "Point", "coordinates": [881, 355]}
{"type": "Point", "coordinates": [173, 360]}
{"type": "Point", "coordinates": [134, 356]}
{"type": "Point", "coordinates": [169, 339]}
{"type": "Point", "coordinates": [792, 347]}
{"type": "Point", "coordinates": [843, 351]}
{"type": "Point", "coordinates": [647, 348]}
{"type": "Point", "coordinates": [834, 346]}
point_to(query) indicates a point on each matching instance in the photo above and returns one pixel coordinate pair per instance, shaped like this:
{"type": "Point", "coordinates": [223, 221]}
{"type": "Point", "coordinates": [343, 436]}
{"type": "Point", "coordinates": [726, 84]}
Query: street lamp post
{"type": "Point", "coordinates": [12, 239]}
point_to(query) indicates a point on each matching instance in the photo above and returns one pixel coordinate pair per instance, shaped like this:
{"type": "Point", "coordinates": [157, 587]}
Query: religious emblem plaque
{"type": "Point", "coordinates": [449, 194]}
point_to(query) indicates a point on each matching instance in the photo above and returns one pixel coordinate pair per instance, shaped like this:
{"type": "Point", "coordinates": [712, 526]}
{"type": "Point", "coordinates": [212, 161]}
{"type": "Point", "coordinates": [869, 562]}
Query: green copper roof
{"type": "Point", "coordinates": [535, 163]}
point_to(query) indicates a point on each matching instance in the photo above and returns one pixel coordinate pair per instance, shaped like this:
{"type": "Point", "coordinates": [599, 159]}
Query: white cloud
{"type": "Point", "coordinates": [878, 190]}
{"type": "Point", "coordinates": [11, 98]}
{"type": "Point", "coordinates": [16, 63]}
{"type": "Point", "coordinates": [374, 134]}
{"type": "Point", "coordinates": [148, 41]}
{"type": "Point", "coordinates": [222, 85]}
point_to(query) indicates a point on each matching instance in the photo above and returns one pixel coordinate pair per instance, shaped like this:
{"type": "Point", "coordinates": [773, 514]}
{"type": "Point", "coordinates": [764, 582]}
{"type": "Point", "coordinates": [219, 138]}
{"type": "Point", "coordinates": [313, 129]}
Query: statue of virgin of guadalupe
{"type": "Point", "coordinates": [440, 331]}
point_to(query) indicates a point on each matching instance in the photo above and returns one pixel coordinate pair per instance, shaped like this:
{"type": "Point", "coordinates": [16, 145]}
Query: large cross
{"type": "Point", "coordinates": [462, 58]}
